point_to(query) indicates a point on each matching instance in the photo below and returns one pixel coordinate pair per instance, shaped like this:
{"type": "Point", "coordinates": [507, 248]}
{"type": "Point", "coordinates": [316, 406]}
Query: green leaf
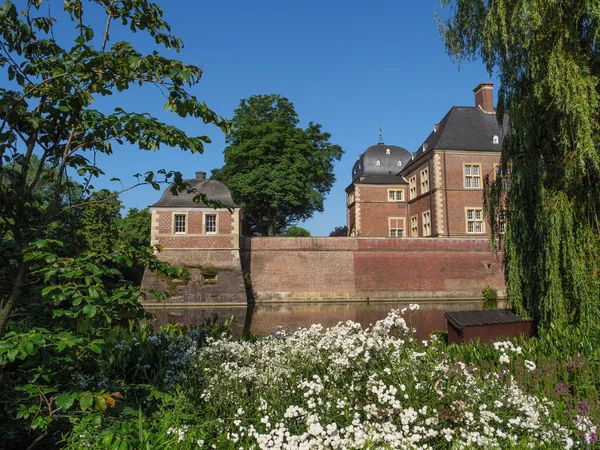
{"type": "Point", "coordinates": [85, 401]}
{"type": "Point", "coordinates": [65, 401]}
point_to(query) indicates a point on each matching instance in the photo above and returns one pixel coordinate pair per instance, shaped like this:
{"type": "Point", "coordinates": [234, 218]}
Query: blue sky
{"type": "Point", "coordinates": [348, 65]}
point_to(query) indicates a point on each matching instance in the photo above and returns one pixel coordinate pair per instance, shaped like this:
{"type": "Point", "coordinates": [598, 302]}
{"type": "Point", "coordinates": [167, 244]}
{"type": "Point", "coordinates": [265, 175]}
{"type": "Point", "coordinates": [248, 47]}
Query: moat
{"type": "Point", "coordinates": [264, 318]}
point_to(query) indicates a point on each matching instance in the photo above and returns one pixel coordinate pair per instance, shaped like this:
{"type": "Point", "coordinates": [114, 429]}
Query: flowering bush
{"type": "Point", "coordinates": [350, 388]}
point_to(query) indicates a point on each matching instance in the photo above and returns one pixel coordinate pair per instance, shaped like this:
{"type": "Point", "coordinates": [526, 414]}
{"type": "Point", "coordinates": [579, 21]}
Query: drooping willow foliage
{"type": "Point", "coordinates": [547, 57]}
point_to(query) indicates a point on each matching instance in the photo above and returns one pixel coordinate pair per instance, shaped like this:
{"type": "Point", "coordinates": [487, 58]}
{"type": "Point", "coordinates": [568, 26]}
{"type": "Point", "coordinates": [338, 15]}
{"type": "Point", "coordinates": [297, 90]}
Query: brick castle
{"type": "Point", "coordinates": [415, 221]}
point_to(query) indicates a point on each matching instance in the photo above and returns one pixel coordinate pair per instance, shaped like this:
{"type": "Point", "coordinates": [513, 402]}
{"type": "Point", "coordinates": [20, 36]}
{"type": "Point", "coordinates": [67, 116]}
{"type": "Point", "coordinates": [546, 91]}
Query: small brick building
{"type": "Point", "coordinates": [438, 190]}
{"type": "Point", "coordinates": [203, 239]}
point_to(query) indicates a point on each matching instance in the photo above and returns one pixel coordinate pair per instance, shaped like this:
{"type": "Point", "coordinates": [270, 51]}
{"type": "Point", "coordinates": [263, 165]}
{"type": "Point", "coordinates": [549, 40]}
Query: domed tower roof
{"type": "Point", "coordinates": [214, 190]}
{"type": "Point", "coordinates": [380, 159]}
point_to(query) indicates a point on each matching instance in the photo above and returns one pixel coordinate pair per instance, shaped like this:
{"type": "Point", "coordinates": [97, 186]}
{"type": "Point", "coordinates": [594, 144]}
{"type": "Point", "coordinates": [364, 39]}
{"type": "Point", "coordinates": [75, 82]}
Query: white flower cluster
{"type": "Point", "coordinates": [349, 388]}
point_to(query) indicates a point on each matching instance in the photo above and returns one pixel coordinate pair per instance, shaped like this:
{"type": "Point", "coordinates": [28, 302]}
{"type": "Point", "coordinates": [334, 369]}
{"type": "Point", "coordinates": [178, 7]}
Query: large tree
{"type": "Point", "coordinates": [46, 108]}
{"type": "Point", "coordinates": [547, 57]}
{"type": "Point", "coordinates": [278, 172]}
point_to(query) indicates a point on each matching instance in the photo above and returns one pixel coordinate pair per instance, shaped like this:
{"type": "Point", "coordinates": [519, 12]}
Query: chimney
{"type": "Point", "coordinates": [200, 175]}
{"type": "Point", "coordinates": [484, 97]}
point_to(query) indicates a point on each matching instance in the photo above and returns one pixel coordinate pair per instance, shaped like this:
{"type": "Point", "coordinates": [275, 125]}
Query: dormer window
{"type": "Point", "coordinates": [387, 151]}
{"type": "Point", "coordinates": [378, 163]}
{"type": "Point", "coordinates": [495, 140]}
{"type": "Point", "coordinates": [424, 147]}
{"type": "Point", "coordinates": [354, 172]}
{"type": "Point", "coordinates": [399, 163]}
{"type": "Point", "coordinates": [359, 167]}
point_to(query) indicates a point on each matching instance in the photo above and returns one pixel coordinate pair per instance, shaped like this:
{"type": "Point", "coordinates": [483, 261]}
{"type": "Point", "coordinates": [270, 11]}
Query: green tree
{"type": "Point", "coordinates": [295, 231]}
{"type": "Point", "coordinates": [46, 108]}
{"type": "Point", "coordinates": [278, 172]}
{"type": "Point", "coordinates": [135, 230]}
{"type": "Point", "coordinates": [339, 232]}
{"type": "Point", "coordinates": [99, 222]}
{"type": "Point", "coordinates": [548, 60]}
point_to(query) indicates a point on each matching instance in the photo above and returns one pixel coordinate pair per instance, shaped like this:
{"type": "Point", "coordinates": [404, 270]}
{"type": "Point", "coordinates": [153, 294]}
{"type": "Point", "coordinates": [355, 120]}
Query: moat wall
{"type": "Point", "coordinates": [345, 269]}
{"type": "Point", "coordinates": [337, 269]}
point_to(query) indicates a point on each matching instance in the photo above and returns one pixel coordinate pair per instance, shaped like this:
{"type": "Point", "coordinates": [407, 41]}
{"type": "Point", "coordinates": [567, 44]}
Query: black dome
{"type": "Point", "coordinates": [381, 159]}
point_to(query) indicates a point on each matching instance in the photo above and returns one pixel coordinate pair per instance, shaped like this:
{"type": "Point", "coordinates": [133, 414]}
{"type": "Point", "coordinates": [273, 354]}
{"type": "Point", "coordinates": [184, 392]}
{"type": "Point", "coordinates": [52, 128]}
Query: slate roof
{"type": "Point", "coordinates": [461, 319]}
{"type": "Point", "coordinates": [214, 190]}
{"type": "Point", "coordinates": [391, 158]}
{"type": "Point", "coordinates": [463, 128]}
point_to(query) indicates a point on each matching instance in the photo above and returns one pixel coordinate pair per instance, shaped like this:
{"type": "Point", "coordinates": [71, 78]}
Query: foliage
{"type": "Point", "coordinates": [295, 231]}
{"type": "Point", "coordinates": [546, 57]}
{"type": "Point", "coordinates": [278, 172]}
{"type": "Point", "coordinates": [59, 305]}
{"type": "Point", "coordinates": [99, 229]}
{"type": "Point", "coordinates": [135, 228]}
{"type": "Point", "coordinates": [339, 232]}
{"type": "Point", "coordinates": [489, 293]}
{"type": "Point", "coordinates": [46, 109]}
{"type": "Point", "coordinates": [348, 387]}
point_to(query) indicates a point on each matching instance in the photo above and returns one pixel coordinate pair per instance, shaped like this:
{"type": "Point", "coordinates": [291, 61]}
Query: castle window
{"type": "Point", "coordinates": [412, 184]}
{"type": "Point", "coordinates": [425, 180]}
{"type": "Point", "coordinates": [414, 226]}
{"type": "Point", "coordinates": [179, 223]}
{"type": "Point", "coordinates": [395, 195]}
{"type": "Point", "coordinates": [495, 140]}
{"type": "Point", "coordinates": [387, 151]}
{"type": "Point", "coordinates": [378, 163]}
{"type": "Point", "coordinates": [472, 174]}
{"type": "Point", "coordinates": [350, 198]}
{"type": "Point", "coordinates": [210, 223]}
{"type": "Point", "coordinates": [396, 225]}
{"type": "Point", "coordinates": [399, 163]}
{"type": "Point", "coordinates": [427, 223]}
{"type": "Point", "coordinates": [501, 221]}
{"type": "Point", "coordinates": [475, 221]}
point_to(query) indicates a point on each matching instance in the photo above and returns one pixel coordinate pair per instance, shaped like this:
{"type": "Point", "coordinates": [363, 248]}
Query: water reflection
{"type": "Point", "coordinates": [262, 319]}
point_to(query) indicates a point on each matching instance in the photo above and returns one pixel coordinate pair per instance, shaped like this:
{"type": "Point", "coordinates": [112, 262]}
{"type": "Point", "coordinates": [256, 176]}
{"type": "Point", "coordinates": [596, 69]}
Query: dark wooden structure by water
{"type": "Point", "coordinates": [487, 326]}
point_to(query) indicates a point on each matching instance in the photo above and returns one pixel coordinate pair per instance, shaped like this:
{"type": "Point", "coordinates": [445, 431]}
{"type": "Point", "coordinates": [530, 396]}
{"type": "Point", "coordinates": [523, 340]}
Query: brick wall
{"type": "Point", "coordinates": [292, 269]}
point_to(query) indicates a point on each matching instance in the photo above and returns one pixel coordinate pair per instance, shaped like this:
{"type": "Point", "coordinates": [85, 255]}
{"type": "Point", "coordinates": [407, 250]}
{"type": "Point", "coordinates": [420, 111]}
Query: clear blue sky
{"type": "Point", "coordinates": [348, 65]}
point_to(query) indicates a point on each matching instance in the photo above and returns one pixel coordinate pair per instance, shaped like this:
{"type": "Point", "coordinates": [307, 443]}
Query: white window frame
{"type": "Point", "coordinates": [424, 180]}
{"type": "Point", "coordinates": [205, 223]}
{"type": "Point", "coordinates": [474, 216]}
{"type": "Point", "coordinates": [185, 223]}
{"type": "Point", "coordinates": [412, 184]}
{"type": "Point", "coordinates": [426, 223]}
{"type": "Point", "coordinates": [396, 227]}
{"type": "Point", "coordinates": [470, 179]}
{"type": "Point", "coordinates": [414, 226]}
{"type": "Point", "coordinates": [395, 195]}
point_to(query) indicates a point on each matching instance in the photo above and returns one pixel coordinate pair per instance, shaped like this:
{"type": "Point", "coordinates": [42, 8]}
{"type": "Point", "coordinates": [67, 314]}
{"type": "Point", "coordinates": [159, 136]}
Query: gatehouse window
{"type": "Point", "coordinates": [475, 221]}
{"type": "Point", "coordinates": [472, 174]}
{"type": "Point", "coordinates": [210, 223]}
{"type": "Point", "coordinates": [179, 223]}
{"type": "Point", "coordinates": [396, 225]}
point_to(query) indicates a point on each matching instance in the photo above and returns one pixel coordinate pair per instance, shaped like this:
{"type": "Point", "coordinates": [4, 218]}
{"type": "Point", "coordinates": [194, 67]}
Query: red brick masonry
{"type": "Point", "coordinates": [294, 269]}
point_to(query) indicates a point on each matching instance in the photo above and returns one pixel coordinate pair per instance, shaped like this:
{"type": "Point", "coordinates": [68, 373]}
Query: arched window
{"type": "Point", "coordinates": [378, 163]}
{"type": "Point", "coordinates": [495, 140]}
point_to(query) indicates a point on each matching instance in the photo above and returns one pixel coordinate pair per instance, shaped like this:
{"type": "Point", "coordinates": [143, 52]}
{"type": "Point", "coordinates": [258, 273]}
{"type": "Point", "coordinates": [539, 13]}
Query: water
{"type": "Point", "coordinates": [264, 318]}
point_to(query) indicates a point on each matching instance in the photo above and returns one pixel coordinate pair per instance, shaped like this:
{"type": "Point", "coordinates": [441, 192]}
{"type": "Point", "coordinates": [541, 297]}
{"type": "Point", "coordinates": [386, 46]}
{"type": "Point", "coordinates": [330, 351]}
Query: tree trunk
{"type": "Point", "coordinates": [13, 299]}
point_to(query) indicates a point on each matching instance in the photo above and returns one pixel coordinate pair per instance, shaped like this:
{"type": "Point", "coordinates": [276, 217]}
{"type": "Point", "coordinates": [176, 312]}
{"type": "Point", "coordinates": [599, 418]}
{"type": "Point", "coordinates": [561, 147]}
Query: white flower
{"type": "Point", "coordinates": [530, 365]}
{"type": "Point", "coordinates": [504, 358]}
